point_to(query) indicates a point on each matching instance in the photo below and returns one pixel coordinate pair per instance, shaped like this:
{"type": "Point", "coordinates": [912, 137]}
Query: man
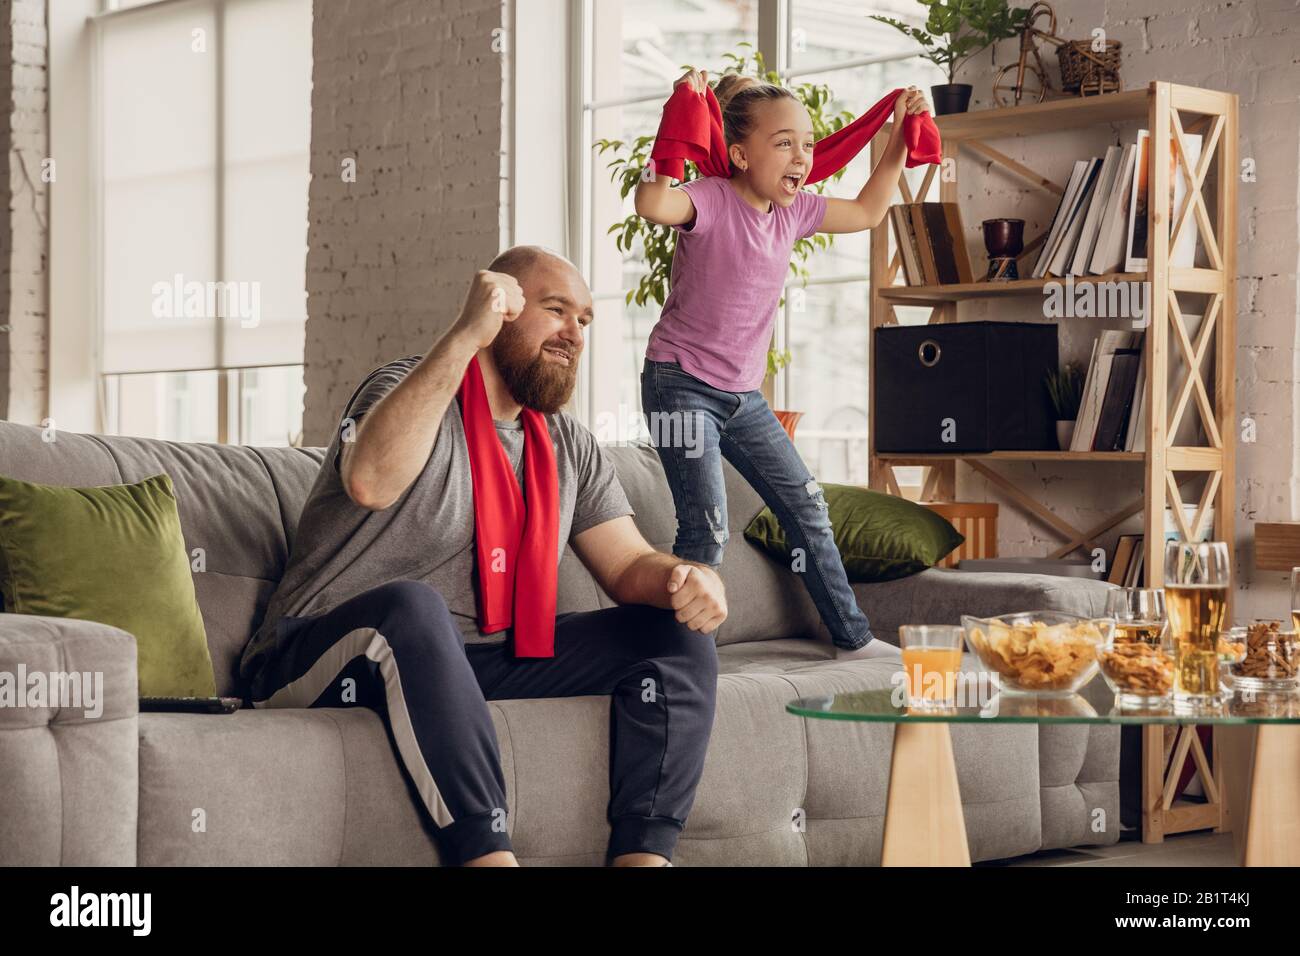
{"type": "Point", "coordinates": [378, 605]}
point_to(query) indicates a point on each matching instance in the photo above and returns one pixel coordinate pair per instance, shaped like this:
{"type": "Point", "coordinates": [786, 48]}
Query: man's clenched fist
{"type": "Point", "coordinates": [698, 597]}
{"type": "Point", "coordinates": [493, 298]}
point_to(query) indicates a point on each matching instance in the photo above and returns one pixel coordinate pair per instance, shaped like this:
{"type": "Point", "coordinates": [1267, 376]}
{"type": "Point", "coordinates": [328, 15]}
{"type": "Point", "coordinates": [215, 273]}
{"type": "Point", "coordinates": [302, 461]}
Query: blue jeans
{"type": "Point", "coordinates": [693, 426]}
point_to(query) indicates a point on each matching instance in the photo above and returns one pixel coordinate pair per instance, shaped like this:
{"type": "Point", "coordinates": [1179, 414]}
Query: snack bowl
{"type": "Point", "coordinates": [1138, 662]}
{"type": "Point", "coordinates": [1047, 653]}
{"type": "Point", "coordinates": [1271, 661]}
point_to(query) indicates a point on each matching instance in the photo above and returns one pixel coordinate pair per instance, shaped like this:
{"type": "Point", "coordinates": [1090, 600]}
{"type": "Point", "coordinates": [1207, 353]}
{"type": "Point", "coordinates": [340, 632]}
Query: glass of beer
{"type": "Point", "coordinates": [1196, 594]}
{"type": "Point", "coordinates": [931, 660]}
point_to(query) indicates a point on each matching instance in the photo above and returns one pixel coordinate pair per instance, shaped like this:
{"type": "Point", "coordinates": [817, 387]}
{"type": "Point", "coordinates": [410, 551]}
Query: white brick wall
{"type": "Point", "coordinates": [412, 90]}
{"type": "Point", "coordinates": [1250, 48]}
{"type": "Point", "coordinates": [24, 206]}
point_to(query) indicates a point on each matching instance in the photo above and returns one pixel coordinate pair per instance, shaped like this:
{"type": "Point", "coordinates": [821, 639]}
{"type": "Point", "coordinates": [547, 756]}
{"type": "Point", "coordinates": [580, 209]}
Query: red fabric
{"type": "Point", "coordinates": [691, 128]}
{"type": "Point", "coordinates": [517, 542]}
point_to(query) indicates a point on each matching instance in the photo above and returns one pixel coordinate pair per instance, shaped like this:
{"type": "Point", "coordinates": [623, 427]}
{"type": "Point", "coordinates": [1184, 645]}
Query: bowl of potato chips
{"type": "Point", "coordinates": [1039, 652]}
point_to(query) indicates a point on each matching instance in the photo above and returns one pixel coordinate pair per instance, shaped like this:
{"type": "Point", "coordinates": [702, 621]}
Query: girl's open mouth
{"type": "Point", "coordinates": [790, 183]}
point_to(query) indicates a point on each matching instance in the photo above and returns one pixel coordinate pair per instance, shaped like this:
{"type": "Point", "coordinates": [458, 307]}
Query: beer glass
{"type": "Point", "coordinates": [1196, 595]}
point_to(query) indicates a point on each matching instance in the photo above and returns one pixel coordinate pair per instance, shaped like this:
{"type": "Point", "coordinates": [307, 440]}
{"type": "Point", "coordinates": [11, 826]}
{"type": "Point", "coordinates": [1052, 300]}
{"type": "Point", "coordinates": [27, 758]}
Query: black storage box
{"type": "Point", "coordinates": [964, 387]}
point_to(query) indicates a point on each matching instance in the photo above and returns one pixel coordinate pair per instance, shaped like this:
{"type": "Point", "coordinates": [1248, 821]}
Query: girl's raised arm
{"type": "Point", "coordinates": [656, 199]}
{"type": "Point", "coordinates": [872, 204]}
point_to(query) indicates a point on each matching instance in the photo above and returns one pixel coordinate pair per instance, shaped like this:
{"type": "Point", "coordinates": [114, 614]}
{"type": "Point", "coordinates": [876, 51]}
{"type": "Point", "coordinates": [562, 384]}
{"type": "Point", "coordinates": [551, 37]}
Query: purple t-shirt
{"type": "Point", "coordinates": [728, 271]}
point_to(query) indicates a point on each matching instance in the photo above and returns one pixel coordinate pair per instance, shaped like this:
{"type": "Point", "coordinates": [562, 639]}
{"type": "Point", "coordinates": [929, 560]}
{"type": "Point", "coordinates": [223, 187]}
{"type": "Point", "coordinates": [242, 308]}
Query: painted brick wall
{"type": "Point", "coordinates": [24, 212]}
{"type": "Point", "coordinates": [413, 92]}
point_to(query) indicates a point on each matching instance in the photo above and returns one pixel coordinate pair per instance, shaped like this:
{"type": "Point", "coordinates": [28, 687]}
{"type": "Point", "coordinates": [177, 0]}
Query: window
{"type": "Point", "coordinates": [633, 53]}
{"type": "Point", "coordinates": [203, 112]}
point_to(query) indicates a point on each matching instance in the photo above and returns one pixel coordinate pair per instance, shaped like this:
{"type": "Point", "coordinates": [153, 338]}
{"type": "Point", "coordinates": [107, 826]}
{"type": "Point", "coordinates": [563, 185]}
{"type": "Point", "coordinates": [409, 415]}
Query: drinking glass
{"type": "Point", "coordinates": [1138, 660]}
{"type": "Point", "coordinates": [931, 659]}
{"type": "Point", "coordinates": [1196, 594]}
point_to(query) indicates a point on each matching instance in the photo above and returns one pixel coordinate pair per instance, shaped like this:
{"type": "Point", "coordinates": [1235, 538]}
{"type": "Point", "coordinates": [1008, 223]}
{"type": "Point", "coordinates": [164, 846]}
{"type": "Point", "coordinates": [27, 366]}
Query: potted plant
{"type": "Point", "coordinates": [1066, 390]}
{"type": "Point", "coordinates": [956, 30]}
{"type": "Point", "coordinates": [656, 243]}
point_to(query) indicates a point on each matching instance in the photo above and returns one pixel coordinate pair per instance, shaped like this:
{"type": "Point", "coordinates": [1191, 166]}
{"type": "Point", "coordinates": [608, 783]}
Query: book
{"type": "Point", "coordinates": [1113, 418]}
{"type": "Point", "coordinates": [1108, 254]}
{"type": "Point", "coordinates": [1058, 217]}
{"type": "Point", "coordinates": [1125, 548]}
{"type": "Point", "coordinates": [961, 258]}
{"type": "Point", "coordinates": [1133, 440]}
{"type": "Point", "coordinates": [907, 254]}
{"type": "Point", "coordinates": [1094, 387]}
{"type": "Point", "coordinates": [925, 250]}
{"type": "Point", "coordinates": [1096, 205]}
{"type": "Point", "coordinates": [1069, 236]}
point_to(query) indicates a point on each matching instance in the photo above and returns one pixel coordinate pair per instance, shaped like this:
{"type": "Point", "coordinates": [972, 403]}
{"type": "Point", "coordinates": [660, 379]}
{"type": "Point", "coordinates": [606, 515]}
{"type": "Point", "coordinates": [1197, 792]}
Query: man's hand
{"type": "Point", "coordinates": [493, 298]}
{"type": "Point", "coordinates": [697, 595]}
{"type": "Point", "coordinates": [911, 100]}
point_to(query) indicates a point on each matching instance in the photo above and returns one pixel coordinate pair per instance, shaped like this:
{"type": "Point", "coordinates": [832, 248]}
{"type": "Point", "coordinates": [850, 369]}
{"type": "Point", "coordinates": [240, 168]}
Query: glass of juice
{"type": "Point", "coordinates": [931, 660]}
{"type": "Point", "coordinates": [1196, 595]}
{"type": "Point", "coordinates": [1138, 660]}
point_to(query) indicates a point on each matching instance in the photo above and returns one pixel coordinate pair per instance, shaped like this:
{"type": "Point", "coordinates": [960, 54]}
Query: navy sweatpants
{"type": "Point", "coordinates": [397, 650]}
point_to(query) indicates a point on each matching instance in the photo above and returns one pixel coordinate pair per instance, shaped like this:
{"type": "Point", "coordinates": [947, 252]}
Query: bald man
{"type": "Point", "coordinates": [377, 606]}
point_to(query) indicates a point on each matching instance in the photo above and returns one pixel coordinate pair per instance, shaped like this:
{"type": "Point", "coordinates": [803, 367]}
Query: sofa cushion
{"type": "Point", "coordinates": [112, 554]}
{"type": "Point", "coordinates": [880, 537]}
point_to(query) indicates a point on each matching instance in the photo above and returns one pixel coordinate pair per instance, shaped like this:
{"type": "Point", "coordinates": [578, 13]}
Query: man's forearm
{"type": "Point", "coordinates": [645, 580]}
{"type": "Point", "coordinates": [397, 435]}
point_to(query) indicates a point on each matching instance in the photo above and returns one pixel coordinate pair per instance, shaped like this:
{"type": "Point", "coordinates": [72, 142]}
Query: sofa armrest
{"type": "Point", "coordinates": [942, 596]}
{"type": "Point", "coordinates": [69, 783]}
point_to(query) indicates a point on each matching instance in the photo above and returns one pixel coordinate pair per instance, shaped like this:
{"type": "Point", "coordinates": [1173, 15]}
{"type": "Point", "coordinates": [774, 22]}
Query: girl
{"type": "Point", "coordinates": [707, 354]}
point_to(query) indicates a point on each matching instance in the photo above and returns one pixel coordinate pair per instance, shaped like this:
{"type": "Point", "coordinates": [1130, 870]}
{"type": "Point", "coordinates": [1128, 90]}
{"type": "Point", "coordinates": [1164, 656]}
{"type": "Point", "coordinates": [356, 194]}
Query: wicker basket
{"type": "Point", "coordinates": [1085, 72]}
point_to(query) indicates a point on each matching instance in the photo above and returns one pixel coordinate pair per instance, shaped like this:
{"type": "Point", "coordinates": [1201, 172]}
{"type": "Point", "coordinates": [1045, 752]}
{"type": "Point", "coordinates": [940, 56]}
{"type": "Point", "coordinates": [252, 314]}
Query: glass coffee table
{"type": "Point", "coordinates": [923, 816]}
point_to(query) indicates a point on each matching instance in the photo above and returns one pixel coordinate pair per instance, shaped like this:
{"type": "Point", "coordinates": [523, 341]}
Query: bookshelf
{"type": "Point", "coordinates": [1161, 474]}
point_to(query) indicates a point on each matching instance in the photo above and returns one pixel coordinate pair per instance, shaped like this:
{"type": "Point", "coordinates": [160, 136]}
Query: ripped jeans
{"type": "Point", "coordinates": [693, 426]}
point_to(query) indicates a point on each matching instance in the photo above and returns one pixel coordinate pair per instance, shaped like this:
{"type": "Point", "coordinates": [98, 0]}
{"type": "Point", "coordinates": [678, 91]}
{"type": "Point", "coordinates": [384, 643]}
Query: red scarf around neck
{"type": "Point", "coordinates": [691, 128]}
{"type": "Point", "coordinates": [517, 542]}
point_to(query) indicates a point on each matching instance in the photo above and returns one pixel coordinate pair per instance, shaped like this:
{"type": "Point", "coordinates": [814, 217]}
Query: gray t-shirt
{"type": "Point", "coordinates": [341, 549]}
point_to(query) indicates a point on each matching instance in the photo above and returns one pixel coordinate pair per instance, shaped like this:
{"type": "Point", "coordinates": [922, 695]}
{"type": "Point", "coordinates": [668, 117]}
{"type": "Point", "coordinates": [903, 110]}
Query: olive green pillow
{"type": "Point", "coordinates": [114, 555]}
{"type": "Point", "coordinates": [880, 537]}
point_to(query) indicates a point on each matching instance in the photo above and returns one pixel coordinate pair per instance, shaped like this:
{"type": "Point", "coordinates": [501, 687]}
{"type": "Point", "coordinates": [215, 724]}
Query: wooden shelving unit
{"type": "Point", "coordinates": [1169, 111]}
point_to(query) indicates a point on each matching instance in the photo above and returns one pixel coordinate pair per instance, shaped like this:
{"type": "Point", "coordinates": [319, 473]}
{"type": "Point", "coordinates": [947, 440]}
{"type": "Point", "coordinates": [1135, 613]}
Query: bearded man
{"type": "Point", "coordinates": [421, 579]}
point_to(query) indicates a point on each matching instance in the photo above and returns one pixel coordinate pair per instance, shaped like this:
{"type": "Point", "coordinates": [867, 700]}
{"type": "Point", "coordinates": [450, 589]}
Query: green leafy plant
{"type": "Point", "coordinates": [655, 244]}
{"type": "Point", "coordinates": [956, 30]}
{"type": "Point", "coordinates": [1066, 389]}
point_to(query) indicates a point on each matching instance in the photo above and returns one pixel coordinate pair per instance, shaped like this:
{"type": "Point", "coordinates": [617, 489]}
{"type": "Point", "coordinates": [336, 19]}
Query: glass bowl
{"type": "Point", "coordinates": [1271, 660]}
{"type": "Point", "coordinates": [1137, 661]}
{"type": "Point", "coordinates": [1048, 653]}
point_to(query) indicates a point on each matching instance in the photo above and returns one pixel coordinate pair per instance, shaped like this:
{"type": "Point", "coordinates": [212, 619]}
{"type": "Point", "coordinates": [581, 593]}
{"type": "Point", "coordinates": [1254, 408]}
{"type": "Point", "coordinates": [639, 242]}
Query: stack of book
{"type": "Point", "coordinates": [930, 243]}
{"type": "Point", "coordinates": [1100, 223]}
{"type": "Point", "coordinates": [1112, 411]}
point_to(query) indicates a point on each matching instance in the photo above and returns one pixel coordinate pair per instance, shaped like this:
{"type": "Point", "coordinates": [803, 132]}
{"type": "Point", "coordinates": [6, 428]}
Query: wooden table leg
{"type": "Point", "coordinates": [924, 825]}
{"type": "Point", "coordinates": [1272, 834]}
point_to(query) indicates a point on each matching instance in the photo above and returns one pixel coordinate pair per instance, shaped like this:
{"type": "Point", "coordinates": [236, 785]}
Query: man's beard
{"type": "Point", "coordinates": [533, 381]}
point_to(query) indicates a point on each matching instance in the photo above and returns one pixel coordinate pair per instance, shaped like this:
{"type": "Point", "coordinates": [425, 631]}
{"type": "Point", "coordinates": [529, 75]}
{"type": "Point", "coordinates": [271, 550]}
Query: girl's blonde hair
{"type": "Point", "coordinates": [737, 96]}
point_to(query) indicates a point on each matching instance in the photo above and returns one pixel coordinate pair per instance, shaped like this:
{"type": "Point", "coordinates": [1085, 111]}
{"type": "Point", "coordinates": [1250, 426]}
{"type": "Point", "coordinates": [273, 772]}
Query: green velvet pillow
{"type": "Point", "coordinates": [880, 537]}
{"type": "Point", "coordinates": [114, 555]}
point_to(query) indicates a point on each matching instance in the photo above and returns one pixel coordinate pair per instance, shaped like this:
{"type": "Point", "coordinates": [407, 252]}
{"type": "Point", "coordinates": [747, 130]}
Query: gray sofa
{"type": "Point", "coordinates": [323, 787]}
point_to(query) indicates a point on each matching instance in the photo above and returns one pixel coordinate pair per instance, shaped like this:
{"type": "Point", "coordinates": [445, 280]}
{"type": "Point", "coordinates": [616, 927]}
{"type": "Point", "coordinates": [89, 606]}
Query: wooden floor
{"type": "Point", "coordinates": [1205, 848]}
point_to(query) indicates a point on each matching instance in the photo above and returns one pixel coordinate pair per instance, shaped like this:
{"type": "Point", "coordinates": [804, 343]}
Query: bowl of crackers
{"type": "Point", "coordinates": [1271, 660]}
{"type": "Point", "coordinates": [1039, 652]}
